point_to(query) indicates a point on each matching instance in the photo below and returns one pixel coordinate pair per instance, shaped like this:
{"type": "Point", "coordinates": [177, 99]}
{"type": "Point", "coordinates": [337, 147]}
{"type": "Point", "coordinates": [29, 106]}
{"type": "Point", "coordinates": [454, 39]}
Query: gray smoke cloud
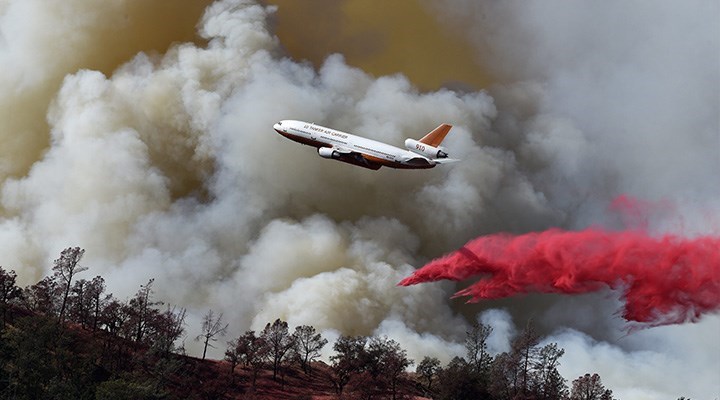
{"type": "Point", "coordinates": [615, 97]}
{"type": "Point", "coordinates": [168, 168]}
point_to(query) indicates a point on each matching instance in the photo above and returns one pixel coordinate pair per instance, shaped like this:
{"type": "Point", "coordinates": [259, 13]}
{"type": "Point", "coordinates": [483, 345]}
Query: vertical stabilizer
{"type": "Point", "coordinates": [436, 137]}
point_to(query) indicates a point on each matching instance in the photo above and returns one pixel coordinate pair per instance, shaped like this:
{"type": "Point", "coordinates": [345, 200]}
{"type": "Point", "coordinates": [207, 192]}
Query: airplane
{"type": "Point", "coordinates": [368, 153]}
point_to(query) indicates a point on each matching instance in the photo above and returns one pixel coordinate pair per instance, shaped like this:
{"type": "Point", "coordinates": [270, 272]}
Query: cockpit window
{"type": "Point", "coordinates": [280, 123]}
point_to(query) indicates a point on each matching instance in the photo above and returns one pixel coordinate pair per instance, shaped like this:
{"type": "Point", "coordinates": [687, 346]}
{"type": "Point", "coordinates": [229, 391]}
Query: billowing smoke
{"type": "Point", "coordinates": [42, 41]}
{"type": "Point", "coordinates": [163, 164]}
{"type": "Point", "coordinates": [667, 280]}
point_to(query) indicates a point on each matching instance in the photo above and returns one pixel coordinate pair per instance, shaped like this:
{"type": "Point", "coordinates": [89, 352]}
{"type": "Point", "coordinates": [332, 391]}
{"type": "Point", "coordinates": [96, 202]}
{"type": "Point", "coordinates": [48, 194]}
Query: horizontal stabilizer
{"type": "Point", "coordinates": [445, 160]}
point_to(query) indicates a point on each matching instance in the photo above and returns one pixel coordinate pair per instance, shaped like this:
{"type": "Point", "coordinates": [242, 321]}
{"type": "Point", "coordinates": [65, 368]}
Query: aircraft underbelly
{"type": "Point", "coordinates": [359, 160]}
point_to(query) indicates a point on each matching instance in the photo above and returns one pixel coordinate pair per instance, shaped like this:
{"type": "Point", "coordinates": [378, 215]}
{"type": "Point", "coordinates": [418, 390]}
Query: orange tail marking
{"type": "Point", "coordinates": [436, 137]}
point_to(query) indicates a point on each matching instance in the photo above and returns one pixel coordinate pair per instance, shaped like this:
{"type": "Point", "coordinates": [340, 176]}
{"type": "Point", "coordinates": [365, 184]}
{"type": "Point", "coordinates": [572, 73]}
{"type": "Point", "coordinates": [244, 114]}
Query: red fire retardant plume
{"type": "Point", "coordinates": [666, 280]}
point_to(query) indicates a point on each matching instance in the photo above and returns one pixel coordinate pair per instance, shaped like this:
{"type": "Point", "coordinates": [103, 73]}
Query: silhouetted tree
{"type": "Point", "coordinates": [253, 351]}
{"type": "Point", "coordinates": [503, 376]}
{"type": "Point", "coordinates": [524, 349]}
{"type": "Point", "coordinates": [348, 360]}
{"type": "Point", "coordinates": [42, 297]}
{"type": "Point", "coordinates": [141, 310]}
{"type": "Point", "coordinates": [114, 316]}
{"type": "Point", "coordinates": [78, 303]}
{"type": "Point", "coordinates": [459, 382]}
{"type": "Point", "coordinates": [386, 362]}
{"type": "Point", "coordinates": [94, 294]}
{"type": "Point", "coordinates": [427, 369]}
{"type": "Point", "coordinates": [589, 387]}
{"type": "Point", "coordinates": [86, 302]}
{"type": "Point", "coordinates": [279, 342]}
{"type": "Point", "coordinates": [165, 329]}
{"type": "Point", "coordinates": [389, 361]}
{"type": "Point", "coordinates": [548, 383]}
{"type": "Point", "coordinates": [371, 358]}
{"type": "Point", "coordinates": [233, 357]}
{"type": "Point", "coordinates": [9, 292]}
{"type": "Point", "coordinates": [308, 344]}
{"type": "Point", "coordinates": [527, 371]}
{"type": "Point", "coordinates": [114, 319]}
{"type": "Point", "coordinates": [476, 347]}
{"type": "Point", "coordinates": [65, 268]}
{"type": "Point", "coordinates": [211, 328]}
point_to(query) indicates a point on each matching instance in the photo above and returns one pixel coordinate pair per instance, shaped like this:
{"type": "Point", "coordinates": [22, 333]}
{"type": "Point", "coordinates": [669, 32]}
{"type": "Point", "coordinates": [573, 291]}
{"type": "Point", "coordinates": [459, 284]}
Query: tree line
{"type": "Point", "coordinates": [45, 351]}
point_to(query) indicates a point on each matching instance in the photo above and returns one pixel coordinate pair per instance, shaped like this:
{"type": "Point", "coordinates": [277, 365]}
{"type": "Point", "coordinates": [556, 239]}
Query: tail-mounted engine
{"type": "Point", "coordinates": [425, 149]}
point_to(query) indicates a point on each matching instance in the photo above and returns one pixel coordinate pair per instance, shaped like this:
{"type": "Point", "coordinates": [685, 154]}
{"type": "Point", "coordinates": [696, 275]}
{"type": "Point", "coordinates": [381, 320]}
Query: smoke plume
{"type": "Point", "coordinates": [667, 280]}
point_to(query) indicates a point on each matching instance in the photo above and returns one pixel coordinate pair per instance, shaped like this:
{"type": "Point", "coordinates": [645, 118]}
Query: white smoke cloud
{"type": "Point", "coordinates": [686, 355]}
{"type": "Point", "coordinates": [502, 331]}
{"type": "Point", "coordinates": [168, 168]}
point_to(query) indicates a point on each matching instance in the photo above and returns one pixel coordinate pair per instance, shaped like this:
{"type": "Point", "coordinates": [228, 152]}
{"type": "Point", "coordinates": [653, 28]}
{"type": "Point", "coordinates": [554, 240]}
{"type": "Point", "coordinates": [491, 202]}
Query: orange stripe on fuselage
{"type": "Point", "coordinates": [303, 140]}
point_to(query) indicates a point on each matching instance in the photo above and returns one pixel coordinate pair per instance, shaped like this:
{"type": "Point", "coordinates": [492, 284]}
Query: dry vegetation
{"type": "Point", "coordinates": [66, 338]}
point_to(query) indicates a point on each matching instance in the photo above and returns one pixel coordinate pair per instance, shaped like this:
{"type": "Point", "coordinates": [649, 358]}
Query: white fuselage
{"type": "Point", "coordinates": [350, 148]}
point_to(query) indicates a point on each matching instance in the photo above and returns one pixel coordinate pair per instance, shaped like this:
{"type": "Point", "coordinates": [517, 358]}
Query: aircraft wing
{"type": "Point", "coordinates": [349, 156]}
{"type": "Point", "coordinates": [358, 154]}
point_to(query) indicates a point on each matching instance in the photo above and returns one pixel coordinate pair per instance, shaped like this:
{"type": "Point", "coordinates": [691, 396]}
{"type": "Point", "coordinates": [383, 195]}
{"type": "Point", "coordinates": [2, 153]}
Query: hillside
{"type": "Point", "coordinates": [65, 338]}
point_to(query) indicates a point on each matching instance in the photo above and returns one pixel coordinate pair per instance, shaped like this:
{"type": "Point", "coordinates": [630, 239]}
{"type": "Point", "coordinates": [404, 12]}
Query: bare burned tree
{"type": "Point", "coordinates": [212, 328]}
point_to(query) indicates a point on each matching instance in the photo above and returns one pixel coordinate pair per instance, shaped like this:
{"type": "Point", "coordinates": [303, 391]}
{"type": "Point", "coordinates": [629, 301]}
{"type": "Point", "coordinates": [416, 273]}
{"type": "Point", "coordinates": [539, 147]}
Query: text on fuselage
{"type": "Point", "coordinates": [326, 131]}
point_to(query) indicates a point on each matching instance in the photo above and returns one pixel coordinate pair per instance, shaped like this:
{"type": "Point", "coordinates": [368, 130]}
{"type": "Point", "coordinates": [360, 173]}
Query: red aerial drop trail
{"type": "Point", "coordinates": [665, 280]}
